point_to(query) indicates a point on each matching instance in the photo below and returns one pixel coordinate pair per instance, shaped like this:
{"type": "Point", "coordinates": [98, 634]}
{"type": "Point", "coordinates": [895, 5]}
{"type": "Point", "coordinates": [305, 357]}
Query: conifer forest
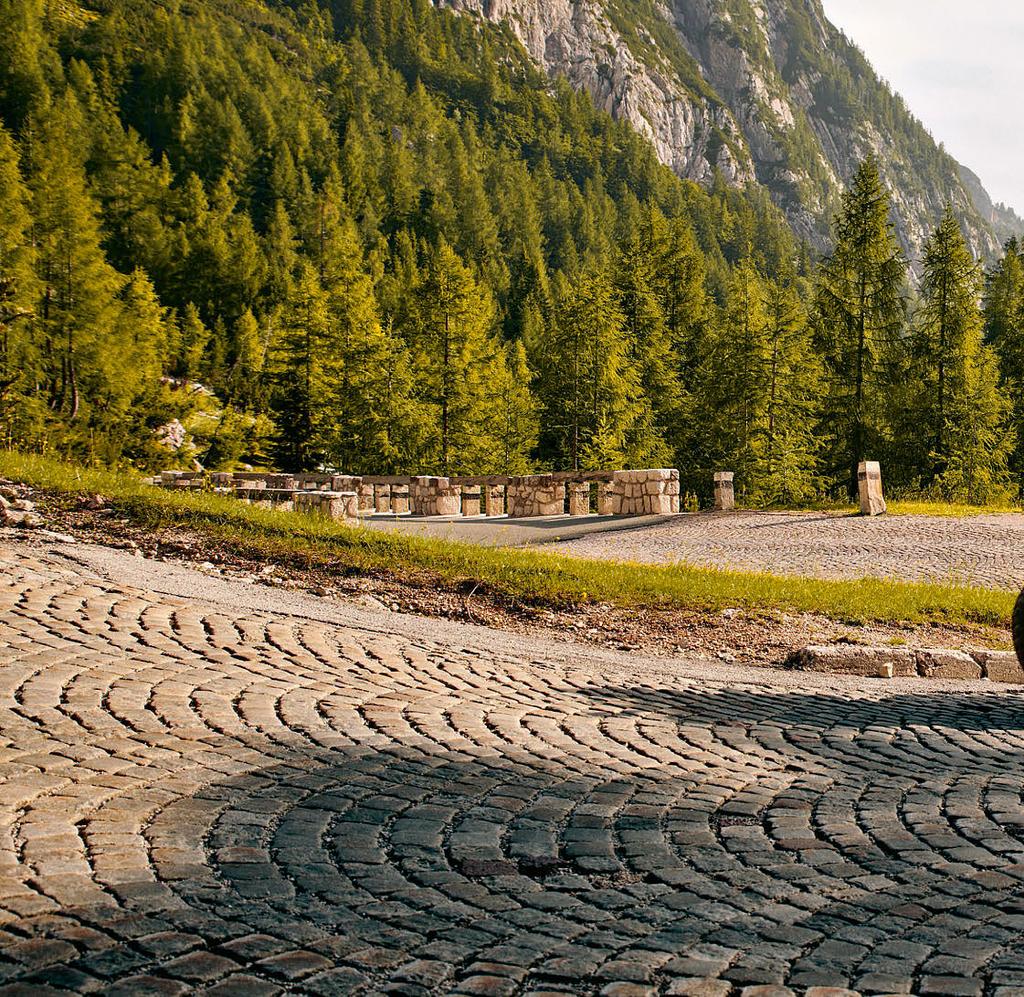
{"type": "Point", "coordinates": [372, 236]}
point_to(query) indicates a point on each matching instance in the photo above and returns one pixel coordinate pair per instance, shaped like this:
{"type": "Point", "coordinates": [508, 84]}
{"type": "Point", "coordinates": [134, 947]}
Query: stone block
{"type": "Point", "coordinates": [471, 500]}
{"type": "Point", "coordinates": [855, 659]}
{"type": "Point", "coordinates": [579, 499]}
{"type": "Point", "coordinates": [494, 500]}
{"type": "Point", "coordinates": [940, 663]}
{"type": "Point", "coordinates": [1000, 666]}
{"type": "Point", "coordinates": [382, 498]}
{"type": "Point", "coordinates": [399, 499]}
{"type": "Point", "coordinates": [367, 502]}
{"type": "Point", "coordinates": [606, 498]}
{"type": "Point", "coordinates": [869, 485]}
{"type": "Point", "coordinates": [725, 495]}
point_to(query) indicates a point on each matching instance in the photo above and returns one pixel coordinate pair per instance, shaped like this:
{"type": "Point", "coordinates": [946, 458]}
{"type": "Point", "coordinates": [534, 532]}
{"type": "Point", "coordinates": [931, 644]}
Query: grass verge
{"type": "Point", "coordinates": [524, 576]}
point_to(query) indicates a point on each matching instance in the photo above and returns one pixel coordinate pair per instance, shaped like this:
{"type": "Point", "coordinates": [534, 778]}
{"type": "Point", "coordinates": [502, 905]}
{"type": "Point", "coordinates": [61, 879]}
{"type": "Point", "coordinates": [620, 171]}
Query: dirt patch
{"type": "Point", "coordinates": [732, 635]}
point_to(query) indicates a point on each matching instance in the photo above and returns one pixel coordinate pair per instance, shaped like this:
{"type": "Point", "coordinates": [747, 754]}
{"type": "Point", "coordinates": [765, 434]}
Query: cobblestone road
{"type": "Point", "coordinates": [984, 550]}
{"type": "Point", "coordinates": [202, 797]}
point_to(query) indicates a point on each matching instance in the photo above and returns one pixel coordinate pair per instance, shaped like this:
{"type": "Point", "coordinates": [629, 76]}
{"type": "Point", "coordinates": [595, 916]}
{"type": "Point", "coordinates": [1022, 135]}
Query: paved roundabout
{"type": "Point", "coordinates": [222, 788]}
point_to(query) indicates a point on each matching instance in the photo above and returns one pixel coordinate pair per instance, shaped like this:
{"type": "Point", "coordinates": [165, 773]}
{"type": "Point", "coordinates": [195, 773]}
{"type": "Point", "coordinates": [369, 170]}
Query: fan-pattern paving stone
{"type": "Point", "coordinates": [981, 550]}
{"type": "Point", "coordinates": [196, 800]}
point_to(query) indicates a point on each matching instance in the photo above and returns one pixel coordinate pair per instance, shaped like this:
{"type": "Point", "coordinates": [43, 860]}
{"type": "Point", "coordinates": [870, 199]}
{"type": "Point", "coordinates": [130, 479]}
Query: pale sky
{"type": "Point", "coordinates": [959, 66]}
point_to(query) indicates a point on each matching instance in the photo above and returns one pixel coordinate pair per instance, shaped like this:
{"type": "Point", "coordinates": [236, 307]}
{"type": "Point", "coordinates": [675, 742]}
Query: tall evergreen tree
{"type": "Point", "coordinates": [859, 315]}
{"type": "Point", "coordinates": [455, 350]}
{"type": "Point", "coordinates": [20, 413]}
{"type": "Point", "coordinates": [960, 411]}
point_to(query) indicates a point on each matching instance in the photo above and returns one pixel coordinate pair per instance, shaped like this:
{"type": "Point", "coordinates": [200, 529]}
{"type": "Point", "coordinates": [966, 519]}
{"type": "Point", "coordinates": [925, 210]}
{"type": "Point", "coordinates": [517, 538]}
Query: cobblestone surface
{"type": "Point", "coordinates": [201, 798]}
{"type": "Point", "coordinates": [984, 550]}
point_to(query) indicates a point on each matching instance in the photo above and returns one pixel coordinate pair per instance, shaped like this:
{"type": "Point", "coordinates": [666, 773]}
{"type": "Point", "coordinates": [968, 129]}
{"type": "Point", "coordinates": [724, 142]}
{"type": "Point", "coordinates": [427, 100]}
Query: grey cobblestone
{"type": "Point", "coordinates": [199, 799]}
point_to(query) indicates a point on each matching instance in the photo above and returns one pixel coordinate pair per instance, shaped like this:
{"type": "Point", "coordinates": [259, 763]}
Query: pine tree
{"type": "Point", "coordinates": [78, 308]}
{"type": "Point", "coordinates": [589, 389]}
{"type": "Point", "coordinates": [1004, 330]}
{"type": "Point", "coordinates": [455, 349]}
{"type": "Point", "coordinates": [305, 374]}
{"type": "Point", "coordinates": [20, 416]}
{"type": "Point", "coordinates": [516, 412]}
{"type": "Point", "coordinates": [960, 412]}
{"type": "Point", "coordinates": [859, 315]}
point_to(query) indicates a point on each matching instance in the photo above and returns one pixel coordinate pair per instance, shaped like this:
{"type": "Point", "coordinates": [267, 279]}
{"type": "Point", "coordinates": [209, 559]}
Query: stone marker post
{"type": "Point", "coordinates": [869, 484]}
{"type": "Point", "coordinates": [470, 500]}
{"type": "Point", "coordinates": [494, 500]}
{"type": "Point", "coordinates": [399, 499]}
{"type": "Point", "coordinates": [382, 498]}
{"type": "Point", "coordinates": [606, 498]}
{"type": "Point", "coordinates": [725, 496]}
{"type": "Point", "coordinates": [579, 498]}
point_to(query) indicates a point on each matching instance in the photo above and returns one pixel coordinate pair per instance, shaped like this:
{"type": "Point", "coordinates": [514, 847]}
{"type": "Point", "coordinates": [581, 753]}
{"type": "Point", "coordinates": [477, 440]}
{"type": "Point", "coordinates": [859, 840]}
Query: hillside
{"type": "Point", "coordinates": [758, 89]}
{"type": "Point", "coordinates": [375, 236]}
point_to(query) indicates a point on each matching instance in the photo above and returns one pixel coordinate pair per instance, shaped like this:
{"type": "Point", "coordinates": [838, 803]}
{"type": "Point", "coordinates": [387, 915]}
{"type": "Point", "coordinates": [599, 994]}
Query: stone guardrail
{"type": "Point", "coordinates": [647, 492]}
{"type": "Point", "coordinates": [618, 493]}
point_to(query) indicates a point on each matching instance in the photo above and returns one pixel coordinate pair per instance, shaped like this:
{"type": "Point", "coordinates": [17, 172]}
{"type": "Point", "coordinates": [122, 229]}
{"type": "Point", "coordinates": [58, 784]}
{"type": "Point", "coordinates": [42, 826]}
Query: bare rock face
{"type": "Point", "coordinates": [579, 41]}
{"type": "Point", "coordinates": [763, 91]}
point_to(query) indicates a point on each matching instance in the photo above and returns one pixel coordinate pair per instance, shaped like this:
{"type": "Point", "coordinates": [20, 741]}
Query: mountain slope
{"type": "Point", "coordinates": [765, 90]}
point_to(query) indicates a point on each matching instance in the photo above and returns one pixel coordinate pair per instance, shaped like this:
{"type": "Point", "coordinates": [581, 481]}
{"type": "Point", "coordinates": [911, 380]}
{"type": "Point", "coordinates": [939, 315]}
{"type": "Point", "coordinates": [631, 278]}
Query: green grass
{"type": "Point", "coordinates": [527, 576]}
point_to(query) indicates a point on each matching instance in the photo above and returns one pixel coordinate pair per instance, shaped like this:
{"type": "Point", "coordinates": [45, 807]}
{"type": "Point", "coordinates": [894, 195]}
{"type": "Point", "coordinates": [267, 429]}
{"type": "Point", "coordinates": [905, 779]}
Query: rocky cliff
{"type": "Point", "coordinates": [765, 91]}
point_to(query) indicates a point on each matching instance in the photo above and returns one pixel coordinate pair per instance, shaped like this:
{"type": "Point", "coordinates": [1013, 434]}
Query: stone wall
{"type": "Point", "coordinates": [434, 497]}
{"type": "Point", "coordinates": [340, 506]}
{"type": "Point", "coordinates": [653, 492]}
{"type": "Point", "coordinates": [619, 493]}
{"type": "Point", "coordinates": [535, 495]}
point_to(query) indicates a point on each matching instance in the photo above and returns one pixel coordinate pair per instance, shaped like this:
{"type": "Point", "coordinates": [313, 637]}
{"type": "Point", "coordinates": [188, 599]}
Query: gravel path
{"type": "Point", "coordinates": [221, 788]}
{"type": "Point", "coordinates": [982, 550]}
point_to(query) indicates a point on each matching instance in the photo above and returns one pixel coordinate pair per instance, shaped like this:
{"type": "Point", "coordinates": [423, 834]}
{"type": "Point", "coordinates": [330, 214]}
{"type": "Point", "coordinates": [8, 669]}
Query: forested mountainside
{"type": "Point", "coordinates": [765, 89]}
{"type": "Point", "coordinates": [375, 236]}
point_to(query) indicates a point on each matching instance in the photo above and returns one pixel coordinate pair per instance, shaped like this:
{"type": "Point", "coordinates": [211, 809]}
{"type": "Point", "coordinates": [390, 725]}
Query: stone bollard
{"type": "Point", "coordinates": [399, 499]}
{"type": "Point", "coordinates": [869, 484]}
{"type": "Point", "coordinates": [471, 500]}
{"type": "Point", "coordinates": [725, 496]}
{"type": "Point", "coordinates": [382, 498]}
{"type": "Point", "coordinates": [579, 498]}
{"type": "Point", "coordinates": [494, 500]}
{"type": "Point", "coordinates": [606, 499]}
{"type": "Point", "coordinates": [367, 503]}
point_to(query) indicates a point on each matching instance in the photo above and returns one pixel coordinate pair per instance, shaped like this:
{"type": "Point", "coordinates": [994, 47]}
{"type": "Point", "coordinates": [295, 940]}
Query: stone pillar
{"type": "Point", "coordinates": [366, 499]}
{"type": "Point", "coordinates": [494, 500]}
{"type": "Point", "coordinates": [382, 498]}
{"type": "Point", "coordinates": [606, 498]}
{"type": "Point", "coordinates": [579, 498]}
{"type": "Point", "coordinates": [725, 496]}
{"type": "Point", "coordinates": [470, 500]}
{"type": "Point", "coordinates": [869, 484]}
{"type": "Point", "coordinates": [399, 499]}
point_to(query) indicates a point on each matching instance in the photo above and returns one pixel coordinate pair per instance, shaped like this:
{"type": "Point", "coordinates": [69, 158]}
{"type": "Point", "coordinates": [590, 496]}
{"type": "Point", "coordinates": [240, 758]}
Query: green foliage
{"type": "Point", "coordinates": [372, 236]}
{"type": "Point", "coordinates": [859, 318]}
{"type": "Point", "coordinates": [959, 402]}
